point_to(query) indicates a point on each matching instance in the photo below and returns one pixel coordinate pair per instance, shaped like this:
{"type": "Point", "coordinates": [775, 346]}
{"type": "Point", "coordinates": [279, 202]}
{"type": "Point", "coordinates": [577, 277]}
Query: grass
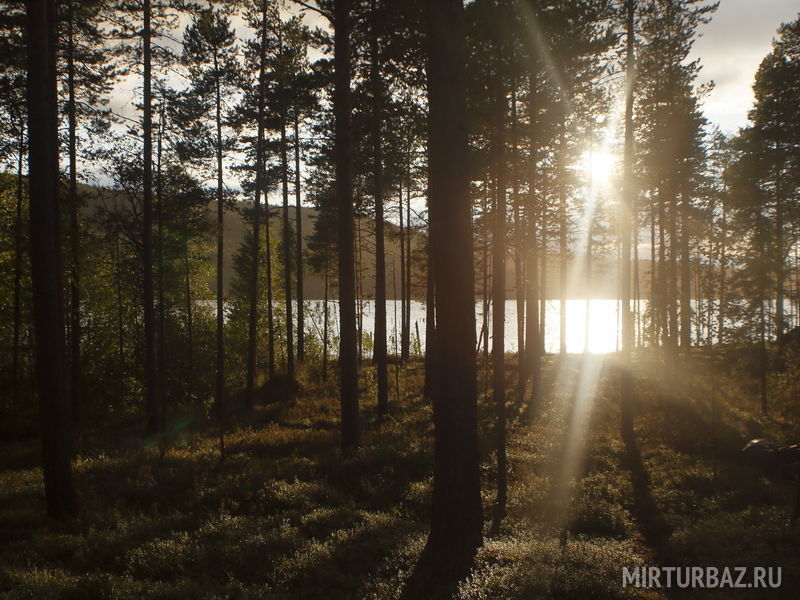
{"type": "Point", "coordinates": [286, 516]}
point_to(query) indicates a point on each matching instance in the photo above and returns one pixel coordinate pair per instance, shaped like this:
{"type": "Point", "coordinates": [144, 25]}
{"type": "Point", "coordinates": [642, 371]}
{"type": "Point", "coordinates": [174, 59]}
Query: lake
{"type": "Point", "coordinates": [604, 319]}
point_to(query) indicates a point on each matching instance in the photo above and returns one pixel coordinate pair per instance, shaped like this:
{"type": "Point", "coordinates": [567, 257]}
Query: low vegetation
{"type": "Point", "coordinates": [286, 516]}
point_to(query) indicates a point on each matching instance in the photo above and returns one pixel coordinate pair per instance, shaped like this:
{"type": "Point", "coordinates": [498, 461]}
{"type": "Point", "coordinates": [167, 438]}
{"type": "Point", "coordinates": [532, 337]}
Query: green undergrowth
{"type": "Point", "coordinates": [286, 515]}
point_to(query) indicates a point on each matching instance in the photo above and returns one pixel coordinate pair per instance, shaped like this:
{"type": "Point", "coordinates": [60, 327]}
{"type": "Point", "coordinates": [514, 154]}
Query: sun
{"type": "Point", "coordinates": [599, 165]}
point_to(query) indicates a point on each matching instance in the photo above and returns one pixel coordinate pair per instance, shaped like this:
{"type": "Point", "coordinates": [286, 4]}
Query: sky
{"type": "Point", "coordinates": [732, 45]}
{"type": "Point", "coordinates": [730, 48]}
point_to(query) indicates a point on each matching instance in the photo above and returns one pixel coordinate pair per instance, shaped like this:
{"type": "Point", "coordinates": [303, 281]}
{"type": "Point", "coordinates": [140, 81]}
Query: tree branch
{"type": "Point", "coordinates": [315, 9]}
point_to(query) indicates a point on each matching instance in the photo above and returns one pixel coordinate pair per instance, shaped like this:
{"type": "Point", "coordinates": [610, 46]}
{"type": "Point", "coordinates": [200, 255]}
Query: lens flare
{"type": "Point", "coordinates": [599, 165]}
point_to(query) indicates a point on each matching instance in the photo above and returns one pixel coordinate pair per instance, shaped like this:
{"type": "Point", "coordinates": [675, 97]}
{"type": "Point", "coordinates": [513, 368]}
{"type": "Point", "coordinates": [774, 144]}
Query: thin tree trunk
{"type": "Point", "coordinates": [759, 234]}
{"type": "Point", "coordinates": [533, 345]}
{"type": "Point", "coordinates": [268, 277]}
{"type": "Point", "coordinates": [396, 336]}
{"type": "Point", "coordinates": [359, 291]}
{"type": "Point", "coordinates": [380, 245]}
{"type": "Point", "coordinates": [543, 279]}
{"type": "Point", "coordinates": [653, 303]}
{"type": "Point", "coordinates": [252, 323]}
{"type": "Point", "coordinates": [348, 347]}
{"type": "Point", "coordinates": [499, 298]}
{"type": "Point", "coordinates": [661, 281]}
{"type": "Point", "coordinates": [299, 243]}
{"type": "Point", "coordinates": [672, 298]}
{"type": "Point", "coordinates": [220, 381]}
{"type": "Point", "coordinates": [46, 260]}
{"type": "Point", "coordinates": [485, 291]}
{"type": "Point", "coordinates": [403, 291]}
{"type": "Point", "coordinates": [519, 255]}
{"type": "Point", "coordinates": [120, 318]}
{"type": "Point", "coordinates": [325, 328]}
{"type": "Point", "coordinates": [562, 237]}
{"type": "Point", "coordinates": [763, 357]}
{"type": "Point", "coordinates": [287, 252]}
{"type": "Point", "coordinates": [18, 233]}
{"type": "Point", "coordinates": [588, 306]}
{"type": "Point", "coordinates": [637, 315]}
{"type": "Point", "coordinates": [189, 321]}
{"type": "Point", "coordinates": [74, 226]}
{"type": "Point", "coordinates": [780, 270]}
{"type": "Point", "coordinates": [160, 349]}
{"type": "Point", "coordinates": [723, 275]}
{"type": "Point", "coordinates": [686, 277]}
{"type": "Point", "coordinates": [627, 233]}
{"type": "Point", "coordinates": [150, 374]}
{"type": "Point", "coordinates": [409, 260]}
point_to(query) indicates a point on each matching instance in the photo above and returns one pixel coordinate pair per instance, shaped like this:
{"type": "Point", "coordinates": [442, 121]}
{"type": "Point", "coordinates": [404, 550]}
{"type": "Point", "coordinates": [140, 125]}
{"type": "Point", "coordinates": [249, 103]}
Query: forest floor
{"type": "Point", "coordinates": [286, 516]}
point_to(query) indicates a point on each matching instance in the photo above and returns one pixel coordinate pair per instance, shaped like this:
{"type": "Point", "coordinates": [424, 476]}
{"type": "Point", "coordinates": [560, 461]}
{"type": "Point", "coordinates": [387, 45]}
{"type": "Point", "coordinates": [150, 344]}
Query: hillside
{"type": "Point", "coordinates": [604, 282]}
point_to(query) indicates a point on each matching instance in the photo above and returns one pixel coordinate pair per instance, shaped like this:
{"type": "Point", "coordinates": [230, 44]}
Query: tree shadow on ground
{"type": "Point", "coordinates": [652, 524]}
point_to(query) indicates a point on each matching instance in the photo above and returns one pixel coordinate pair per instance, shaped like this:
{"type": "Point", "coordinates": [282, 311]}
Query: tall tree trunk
{"type": "Point", "coordinates": [653, 301]}
{"type": "Point", "coordinates": [499, 294]}
{"type": "Point", "coordinates": [298, 212]}
{"type": "Point", "coordinates": [268, 277]}
{"type": "Point", "coordinates": [74, 226]}
{"type": "Point", "coordinates": [161, 347]}
{"type": "Point", "coordinates": [430, 321]}
{"type": "Point", "coordinates": [189, 321]}
{"type": "Point", "coordinates": [674, 249]}
{"type": "Point", "coordinates": [723, 277]}
{"type": "Point", "coordinates": [588, 281]}
{"type": "Point", "coordinates": [380, 243]}
{"type": "Point", "coordinates": [543, 278]}
{"type": "Point", "coordinates": [627, 231]}
{"type": "Point", "coordinates": [120, 317]}
{"type": "Point", "coordinates": [150, 372]}
{"type": "Point", "coordinates": [403, 291]}
{"type": "Point", "coordinates": [519, 255]}
{"type": "Point", "coordinates": [348, 346]}
{"type": "Point", "coordinates": [780, 258]}
{"type": "Point", "coordinates": [287, 251]}
{"type": "Point", "coordinates": [359, 292]}
{"type": "Point", "coordinates": [762, 285]}
{"type": "Point", "coordinates": [533, 345]}
{"type": "Point", "coordinates": [220, 387]}
{"type": "Point", "coordinates": [252, 321]}
{"type": "Point", "coordinates": [325, 327]}
{"type": "Point", "coordinates": [456, 519]}
{"type": "Point", "coordinates": [409, 260]}
{"type": "Point", "coordinates": [637, 313]}
{"type": "Point", "coordinates": [46, 260]}
{"type": "Point", "coordinates": [485, 293]}
{"type": "Point", "coordinates": [686, 277]}
{"type": "Point", "coordinates": [562, 235]}
{"type": "Point", "coordinates": [661, 280]}
{"type": "Point", "coordinates": [17, 302]}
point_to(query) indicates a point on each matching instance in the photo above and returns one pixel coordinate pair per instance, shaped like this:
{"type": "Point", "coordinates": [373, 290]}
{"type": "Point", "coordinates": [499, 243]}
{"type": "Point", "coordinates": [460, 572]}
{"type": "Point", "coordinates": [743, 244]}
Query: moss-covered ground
{"type": "Point", "coordinates": [285, 515]}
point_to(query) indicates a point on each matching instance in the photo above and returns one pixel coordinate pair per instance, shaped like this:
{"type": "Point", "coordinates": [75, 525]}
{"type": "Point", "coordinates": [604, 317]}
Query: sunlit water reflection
{"type": "Point", "coordinates": [604, 319]}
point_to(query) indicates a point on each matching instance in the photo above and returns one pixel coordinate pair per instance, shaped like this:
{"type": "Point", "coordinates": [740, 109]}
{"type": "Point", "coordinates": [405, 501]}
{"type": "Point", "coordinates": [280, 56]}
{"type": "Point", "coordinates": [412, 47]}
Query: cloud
{"type": "Point", "coordinates": [732, 46]}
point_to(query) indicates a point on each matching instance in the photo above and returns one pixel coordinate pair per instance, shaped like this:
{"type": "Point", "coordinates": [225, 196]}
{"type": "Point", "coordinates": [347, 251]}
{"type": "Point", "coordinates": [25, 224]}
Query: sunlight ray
{"type": "Point", "coordinates": [583, 396]}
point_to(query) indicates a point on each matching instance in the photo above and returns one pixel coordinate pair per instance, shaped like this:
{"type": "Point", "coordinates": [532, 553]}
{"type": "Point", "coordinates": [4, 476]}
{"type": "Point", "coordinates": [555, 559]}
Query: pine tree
{"type": "Point", "coordinates": [84, 88]}
{"type": "Point", "coordinates": [348, 344]}
{"type": "Point", "coordinates": [777, 95]}
{"type": "Point", "coordinates": [46, 264]}
{"type": "Point", "coordinates": [456, 519]}
{"type": "Point", "coordinates": [209, 50]}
